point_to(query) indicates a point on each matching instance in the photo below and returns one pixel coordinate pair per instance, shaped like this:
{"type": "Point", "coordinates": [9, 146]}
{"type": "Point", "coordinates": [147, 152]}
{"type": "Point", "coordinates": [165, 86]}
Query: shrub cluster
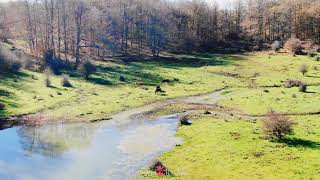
{"type": "Point", "coordinates": [303, 87]}
{"type": "Point", "coordinates": [293, 45]}
{"type": "Point", "coordinates": [48, 74]}
{"type": "Point", "coordinates": [296, 83]}
{"type": "Point", "coordinates": [276, 126]}
{"type": "Point", "coordinates": [87, 68]}
{"type": "Point", "coordinates": [303, 69]}
{"type": "Point", "coordinates": [65, 82]}
{"type": "Point", "coordinates": [275, 46]}
{"type": "Point", "coordinates": [293, 83]}
{"type": "Point", "coordinates": [312, 54]}
{"type": "Point", "coordinates": [54, 63]}
{"type": "Point", "coordinates": [9, 62]}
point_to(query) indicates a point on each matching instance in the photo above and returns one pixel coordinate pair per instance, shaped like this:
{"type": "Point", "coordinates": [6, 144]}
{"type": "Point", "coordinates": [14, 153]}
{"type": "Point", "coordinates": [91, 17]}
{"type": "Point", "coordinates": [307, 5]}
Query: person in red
{"type": "Point", "coordinates": [160, 171]}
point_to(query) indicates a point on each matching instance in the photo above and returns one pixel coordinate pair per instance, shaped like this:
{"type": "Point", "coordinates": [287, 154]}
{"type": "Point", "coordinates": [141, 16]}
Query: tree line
{"type": "Point", "coordinates": [100, 28]}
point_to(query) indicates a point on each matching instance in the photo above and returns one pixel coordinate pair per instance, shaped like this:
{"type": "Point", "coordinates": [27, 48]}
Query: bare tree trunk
{"type": "Point", "coordinates": [65, 38]}
{"type": "Point", "coordinates": [59, 28]}
{"type": "Point", "coordinates": [79, 13]}
{"type": "Point", "coordinates": [31, 39]}
{"type": "Point", "coordinates": [51, 25]}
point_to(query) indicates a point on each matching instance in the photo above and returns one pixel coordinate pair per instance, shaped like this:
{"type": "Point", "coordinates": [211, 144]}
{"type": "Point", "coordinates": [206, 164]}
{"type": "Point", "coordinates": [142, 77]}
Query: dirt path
{"type": "Point", "coordinates": [209, 99]}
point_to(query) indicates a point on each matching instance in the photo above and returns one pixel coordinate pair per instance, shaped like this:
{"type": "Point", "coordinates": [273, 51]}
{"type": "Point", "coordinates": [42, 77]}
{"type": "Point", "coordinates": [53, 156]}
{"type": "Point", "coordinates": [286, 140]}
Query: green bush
{"type": "Point", "coordinates": [87, 68]}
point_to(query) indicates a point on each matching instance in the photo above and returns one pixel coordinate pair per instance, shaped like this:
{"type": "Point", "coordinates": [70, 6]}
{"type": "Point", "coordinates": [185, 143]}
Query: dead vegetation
{"type": "Point", "coordinates": [9, 61]}
{"type": "Point", "coordinates": [294, 46]}
{"type": "Point", "coordinates": [277, 126]}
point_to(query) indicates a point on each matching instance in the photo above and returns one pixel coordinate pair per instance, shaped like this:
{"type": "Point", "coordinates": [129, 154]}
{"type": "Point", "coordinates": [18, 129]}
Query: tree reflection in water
{"type": "Point", "coordinates": [55, 139]}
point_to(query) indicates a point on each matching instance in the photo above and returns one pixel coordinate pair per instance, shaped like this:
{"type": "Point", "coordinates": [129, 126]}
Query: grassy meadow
{"type": "Point", "coordinates": [228, 147]}
{"type": "Point", "coordinates": [213, 148]}
{"type": "Point", "coordinates": [104, 94]}
{"type": "Point", "coordinates": [233, 149]}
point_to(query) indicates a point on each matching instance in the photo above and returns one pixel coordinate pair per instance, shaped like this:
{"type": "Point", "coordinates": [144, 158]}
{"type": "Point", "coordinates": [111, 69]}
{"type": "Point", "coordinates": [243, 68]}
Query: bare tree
{"type": "Point", "coordinates": [30, 28]}
{"type": "Point", "coordinates": [103, 28]}
{"type": "Point", "coordinates": [80, 10]}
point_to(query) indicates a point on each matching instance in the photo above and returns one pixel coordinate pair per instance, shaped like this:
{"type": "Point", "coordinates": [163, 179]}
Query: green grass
{"type": "Point", "coordinates": [209, 151]}
{"type": "Point", "coordinates": [103, 94]}
{"type": "Point", "coordinates": [265, 71]}
{"type": "Point", "coordinates": [22, 94]}
{"type": "Point", "coordinates": [257, 101]}
{"type": "Point", "coordinates": [270, 72]}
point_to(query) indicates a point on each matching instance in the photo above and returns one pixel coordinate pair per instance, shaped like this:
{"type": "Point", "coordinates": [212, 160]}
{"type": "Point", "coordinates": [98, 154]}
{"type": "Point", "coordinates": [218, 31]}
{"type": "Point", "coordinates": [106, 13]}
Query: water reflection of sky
{"type": "Point", "coordinates": [83, 151]}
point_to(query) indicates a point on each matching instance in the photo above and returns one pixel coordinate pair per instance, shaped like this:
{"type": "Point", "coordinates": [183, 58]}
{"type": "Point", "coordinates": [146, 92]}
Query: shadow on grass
{"type": "Point", "coordinates": [3, 114]}
{"type": "Point", "coordinates": [313, 76]}
{"type": "Point", "coordinates": [311, 92]}
{"type": "Point", "coordinates": [295, 142]}
{"type": "Point", "coordinates": [12, 77]}
{"type": "Point", "coordinates": [9, 99]}
{"type": "Point", "coordinates": [11, 81]}
{"type": "Point", "coordinates": [137, 68]}
{"type": "Point", "coordinates": [4, 93]}
{"type": "Point", "coordinates": [7, 102]}
{"type": "Point", "coordinates": [132, 74]}
{"type": "Point", "coordinates": [186, 60]}
{"type": "Point", "coordinates": [100, 81]}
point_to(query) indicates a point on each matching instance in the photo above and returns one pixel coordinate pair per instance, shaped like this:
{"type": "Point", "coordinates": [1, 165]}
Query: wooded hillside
{"type": "Point", "coordinates": [112, 27]}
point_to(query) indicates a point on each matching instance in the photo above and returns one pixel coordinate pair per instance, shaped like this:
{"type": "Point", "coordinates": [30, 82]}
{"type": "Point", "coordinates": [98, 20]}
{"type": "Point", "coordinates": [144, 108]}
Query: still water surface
{"type": "Point", "coordinates": [106, 150]}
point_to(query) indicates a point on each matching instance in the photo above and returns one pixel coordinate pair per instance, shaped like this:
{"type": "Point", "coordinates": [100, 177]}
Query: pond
{"type": "Point", "coordinates": [106, 150]}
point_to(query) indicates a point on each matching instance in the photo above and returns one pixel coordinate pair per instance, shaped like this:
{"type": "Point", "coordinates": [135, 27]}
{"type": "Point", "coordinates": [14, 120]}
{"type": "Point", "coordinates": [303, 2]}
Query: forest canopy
{"type": "Point", "coordinates": [112, 27]}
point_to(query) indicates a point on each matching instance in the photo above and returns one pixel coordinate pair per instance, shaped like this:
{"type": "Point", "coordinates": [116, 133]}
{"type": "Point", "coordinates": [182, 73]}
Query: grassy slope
{"type": "Point", "coordinates": [209, 150]}
{"type": "Point", "coordinates": [272, 72]}
{"type": "Point", "coordinates": [104, 94]}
